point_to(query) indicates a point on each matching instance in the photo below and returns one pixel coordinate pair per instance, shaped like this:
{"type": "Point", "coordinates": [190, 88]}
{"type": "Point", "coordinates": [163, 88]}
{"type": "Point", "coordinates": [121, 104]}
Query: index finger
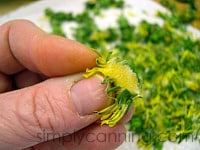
{"type": "Point", "coordinates": [23, 45]}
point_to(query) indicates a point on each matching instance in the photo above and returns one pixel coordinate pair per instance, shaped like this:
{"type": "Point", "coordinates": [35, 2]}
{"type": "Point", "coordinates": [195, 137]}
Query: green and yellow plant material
{"type": "Point", "coordinates": [166, 59]}
{"type": "Point", "coordinates": [122, 88]}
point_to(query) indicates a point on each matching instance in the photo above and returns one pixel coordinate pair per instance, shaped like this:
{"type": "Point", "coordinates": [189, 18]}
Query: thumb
{"type": "Point", "coordinates": [57, 105]}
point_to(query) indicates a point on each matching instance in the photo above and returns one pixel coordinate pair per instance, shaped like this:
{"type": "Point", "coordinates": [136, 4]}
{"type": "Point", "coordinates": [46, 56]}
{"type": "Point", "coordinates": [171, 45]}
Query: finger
{"type": "Point", "coordinates": [5, 83]}
{"type": "Point", "coordinates": [96, 137]}
{"type": "Point", "coordinates": [57, 105]}
{"type": "Point", "coordinates": [26, 78]}
{"type": "Point", "coordinates": [23, 45]}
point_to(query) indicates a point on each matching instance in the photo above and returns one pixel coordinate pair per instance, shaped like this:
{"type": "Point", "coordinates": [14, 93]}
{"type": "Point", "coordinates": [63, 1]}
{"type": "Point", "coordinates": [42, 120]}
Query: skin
{"type": "Point", "coordinates": [43, 91]}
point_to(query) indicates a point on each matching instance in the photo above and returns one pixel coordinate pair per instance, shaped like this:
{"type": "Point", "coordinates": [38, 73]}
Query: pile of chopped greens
{"type": "Point", "coordinates": [184, 11]}
{"type": "Point", "coordinates": [166, 59]}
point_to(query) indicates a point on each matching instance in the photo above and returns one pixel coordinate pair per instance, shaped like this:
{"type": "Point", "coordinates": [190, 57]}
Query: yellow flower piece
{"type": "Point", "coordinates": [122, 75]}
{"type": "Point", "coordinates": [122, 88]}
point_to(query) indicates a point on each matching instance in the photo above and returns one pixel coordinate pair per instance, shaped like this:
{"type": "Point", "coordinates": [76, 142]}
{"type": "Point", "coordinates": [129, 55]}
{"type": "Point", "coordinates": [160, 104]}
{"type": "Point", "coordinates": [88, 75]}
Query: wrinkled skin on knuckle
{"type": "Point", "coordinates": [51, 109]}
{"type": "Point", "coordinates": [27, 120]}
{"type": "Point", "coordinates": [42, 109]}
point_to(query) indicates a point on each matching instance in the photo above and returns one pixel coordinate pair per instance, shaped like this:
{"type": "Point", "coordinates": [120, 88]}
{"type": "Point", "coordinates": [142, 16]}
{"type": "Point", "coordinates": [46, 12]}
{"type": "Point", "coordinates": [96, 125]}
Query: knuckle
{"type": "Point", "coordinates": [39, 111]}
{"type": "Point", "coordinates": [45, 110]}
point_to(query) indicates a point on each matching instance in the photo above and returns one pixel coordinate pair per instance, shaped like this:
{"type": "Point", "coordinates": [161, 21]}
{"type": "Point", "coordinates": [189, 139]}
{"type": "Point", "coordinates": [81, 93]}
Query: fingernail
{"type": "Point", "coordinates": [88, 95]}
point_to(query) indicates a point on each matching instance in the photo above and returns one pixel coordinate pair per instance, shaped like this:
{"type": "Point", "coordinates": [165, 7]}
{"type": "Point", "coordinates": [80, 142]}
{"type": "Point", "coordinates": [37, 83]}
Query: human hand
{"type": "Point", "coordinates": [56, 113]}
